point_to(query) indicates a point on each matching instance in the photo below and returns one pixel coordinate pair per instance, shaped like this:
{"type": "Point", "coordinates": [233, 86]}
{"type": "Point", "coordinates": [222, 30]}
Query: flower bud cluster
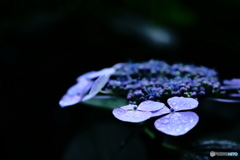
{"type": "Point", "coordinates": [157, 80]}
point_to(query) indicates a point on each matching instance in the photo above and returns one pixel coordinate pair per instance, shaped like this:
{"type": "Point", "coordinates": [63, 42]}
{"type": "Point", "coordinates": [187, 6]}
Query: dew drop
{"type": "Point", "coordinates": [184, 120]}
{"type": "Point", "coordinates": [177, 130]}
{"type": "Point", "coordinates": [165, 120]}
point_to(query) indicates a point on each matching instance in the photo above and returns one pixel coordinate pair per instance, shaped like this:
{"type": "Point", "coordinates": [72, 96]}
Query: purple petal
{"type": "Point", "coordinates": [97, 86]}
{"type": "Point", "coordinates": [88, 75]}
{"type": "Point", "coordinates": [231, 84]}
{"type": "Point", "coordinates": [150, 106]}
{"type": "Point", "coordinates": [160, 112]}
{"type": "Point", "coordinates": [75, 93]}
{"type": "Point", "coordinates": [131, 116]}
{"type": "Point", "coordinates": [230, 87]}
{"type": "Point", "coordinates": [68, 100]}
{"type": "Point", "coordinates": [234, 95]}
{"type": "Point", "coordinates": [129, 107]}
{"type": "Point", "coordinates": [81, 88]}
{"type": "Point", "coordinates": [177, 123]}
{"type": "Point", "coordinates": [234, 81]}
{"type": "Point", "coordinates": [182, 103]}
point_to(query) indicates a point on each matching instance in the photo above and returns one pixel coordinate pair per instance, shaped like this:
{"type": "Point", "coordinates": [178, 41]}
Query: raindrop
{"type": "Point", "coordinates": [165, 120]}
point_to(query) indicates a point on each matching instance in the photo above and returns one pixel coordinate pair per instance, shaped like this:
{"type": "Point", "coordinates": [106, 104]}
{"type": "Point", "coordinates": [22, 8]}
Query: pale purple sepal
{"type": "Point", "coordinates": [82, 87]}
{"type": "Point", "coordinates": [160, 112]}
{"type": "Point", "coordinates": [176, 123]}
{"type": "Point", "coordinates": [68, 100]}
{"type": "Point", "coordinates": [150, 106]}
{"type": "Point", "coordinates": [234, 81]}
{"type": "Point", "coordinates": [182, 103]}
{"type": "Point", "coordinates": [97, 86]}
{"type": "Point", "coordinates": [231, 84]}
{"type": "Point", "coordinates": [134, 116]}
{"type": "Point", "coordinates": [89, 75]}
{"type": "Point", "coordinates": [75, 93]}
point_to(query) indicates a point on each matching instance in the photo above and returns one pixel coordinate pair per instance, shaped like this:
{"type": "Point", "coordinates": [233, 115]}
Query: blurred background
{"type": "Point", "coordinates": [46, 45]}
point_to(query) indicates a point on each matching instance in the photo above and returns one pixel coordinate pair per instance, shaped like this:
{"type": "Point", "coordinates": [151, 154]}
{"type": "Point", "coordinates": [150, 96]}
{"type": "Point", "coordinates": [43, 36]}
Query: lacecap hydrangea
{"type": "Point", "coordinates": [152, 88]}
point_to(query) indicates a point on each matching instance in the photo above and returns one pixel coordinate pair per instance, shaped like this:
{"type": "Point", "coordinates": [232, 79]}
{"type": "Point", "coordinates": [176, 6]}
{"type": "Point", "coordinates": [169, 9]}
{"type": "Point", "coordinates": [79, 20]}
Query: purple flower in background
{"type": "Point", "coordinates": [134, 113]}
{"type": "Point", "coordinates": [85, 82]}
{"type": "Point", "coordinates": [231, 88]}
{"type": "Point", "coordinates": [178, 123]}
{"type": "Point", "coordinates": [232, 84]}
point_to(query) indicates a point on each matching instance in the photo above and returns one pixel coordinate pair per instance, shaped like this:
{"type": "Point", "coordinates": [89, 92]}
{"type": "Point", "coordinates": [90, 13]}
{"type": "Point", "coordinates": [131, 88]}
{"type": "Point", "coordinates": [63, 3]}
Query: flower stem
{"type": "Point", "coordinates": [149, 133]}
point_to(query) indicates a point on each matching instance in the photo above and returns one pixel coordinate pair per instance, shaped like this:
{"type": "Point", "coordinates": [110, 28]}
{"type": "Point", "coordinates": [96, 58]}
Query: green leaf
{"type": "Point", "coordinates": [109, 102]}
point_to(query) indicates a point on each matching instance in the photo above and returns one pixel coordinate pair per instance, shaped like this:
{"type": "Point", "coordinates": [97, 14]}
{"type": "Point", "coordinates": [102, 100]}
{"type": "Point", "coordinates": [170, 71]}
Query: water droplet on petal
{"type": "Point", "coordinates": [134, 116]}
{"type": "Point", "coordinates": [150, 106]}
{"type": "Point", "coordinates": [165, 120]}
{"type": "Point", "coordinates": [182, 103]}
{"type": "Point", "coordinates": [177, 130]}
{"type": "Point", "coordinates": [179, 123]}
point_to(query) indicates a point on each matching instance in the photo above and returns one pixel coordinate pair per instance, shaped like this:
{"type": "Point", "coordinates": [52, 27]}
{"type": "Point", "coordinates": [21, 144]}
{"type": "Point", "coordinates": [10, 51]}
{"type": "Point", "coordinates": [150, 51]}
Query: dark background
{"type": "Point", "coordinates": [46, 45]}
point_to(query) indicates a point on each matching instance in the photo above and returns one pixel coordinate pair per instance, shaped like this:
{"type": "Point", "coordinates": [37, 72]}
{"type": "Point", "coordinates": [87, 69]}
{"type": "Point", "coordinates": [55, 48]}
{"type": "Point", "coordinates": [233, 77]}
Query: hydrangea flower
{"type": "Point", "coordinates": [134, 113]}
{"type": "Point", "coordinates": [85, 82]}
{"type": "Point", "coordinates": [174, 123]}
{"type": "Point", "coordinates": [144, 85]}
{"type": "Point", "coordinates": [178, 123]}
{"type": "Point", "coordinates": [151, 80]}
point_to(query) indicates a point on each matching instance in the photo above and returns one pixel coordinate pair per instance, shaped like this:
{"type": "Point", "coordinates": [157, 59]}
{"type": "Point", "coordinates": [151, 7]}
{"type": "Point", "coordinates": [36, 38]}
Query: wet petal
{"type": "Point", "coordinates": [177, 123]}
{"type": "Point", "coordinates": [75, 93]}
{"type": "Point", "coordinates": [150, 106]}
{"type": "Point", "coordinates": [97, 86]}
{"type": "Point", "coordinates": [131, 116]}
{"type": "Point", "coordinates": [160, 112]}
{"type": "Point", "coordinates": [182, 103]}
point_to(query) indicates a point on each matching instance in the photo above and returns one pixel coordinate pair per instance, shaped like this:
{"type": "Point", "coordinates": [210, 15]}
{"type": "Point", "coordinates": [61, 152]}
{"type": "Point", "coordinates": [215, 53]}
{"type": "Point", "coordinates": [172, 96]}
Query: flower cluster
{"type": "Point", "coordinates": [157, 80]}
{"type": "Point", "coordinates": [148, 86]}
